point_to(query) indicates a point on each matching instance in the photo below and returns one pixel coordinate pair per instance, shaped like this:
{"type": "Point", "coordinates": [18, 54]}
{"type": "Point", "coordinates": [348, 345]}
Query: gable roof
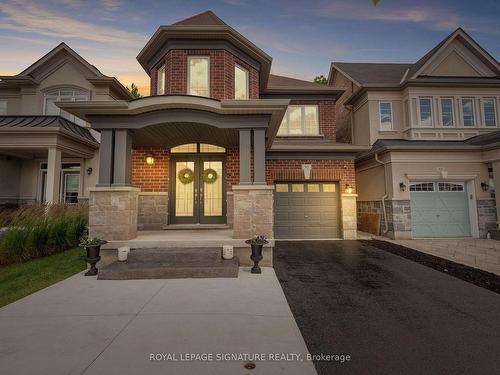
{"type": "Point", "coordinates": [201, 27]}
{"type": "Point", "coordinates": [393, 75]}
{"type": "Point", "coordinates": [205, 18]}
{"type": "Point", "coordinates": [27, 76]}
{"type": "Point", "coordinates": [281, 85]}
{"type": "Point", "coordinates": [282, 81]}
{"type": "Point", "coordinates": [373, 73]}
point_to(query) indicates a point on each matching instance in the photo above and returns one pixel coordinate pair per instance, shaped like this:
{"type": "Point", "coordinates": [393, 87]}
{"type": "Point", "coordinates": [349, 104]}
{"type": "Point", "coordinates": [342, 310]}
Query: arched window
{"type": "Point", "coordinates": [197, 147]}
{"type": "Point", "coordinates": [64, 94]}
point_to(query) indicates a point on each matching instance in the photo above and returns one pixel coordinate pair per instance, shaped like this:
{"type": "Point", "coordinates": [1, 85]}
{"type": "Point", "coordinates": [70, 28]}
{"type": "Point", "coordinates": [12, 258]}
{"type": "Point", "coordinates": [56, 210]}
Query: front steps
{"type": "Point", "coordinates": [171, 263]}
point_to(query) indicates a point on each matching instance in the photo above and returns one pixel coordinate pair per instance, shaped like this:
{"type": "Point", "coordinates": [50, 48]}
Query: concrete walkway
{"type": "Point", "coordinates": [474, 252]}
{"type": "Point", "coordinates": [85, 326]}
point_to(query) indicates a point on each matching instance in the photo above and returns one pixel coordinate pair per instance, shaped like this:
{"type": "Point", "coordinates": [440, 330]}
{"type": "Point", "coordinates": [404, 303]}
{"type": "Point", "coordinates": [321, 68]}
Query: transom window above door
{"type": "Point", "coordinates": [300, 120]}
{"type": "Point", "coordinates": [191, 148]}
{"type": "Point", "coordinates": [64, 94]}
{"type": "Point", "coordinates": [198, 76]}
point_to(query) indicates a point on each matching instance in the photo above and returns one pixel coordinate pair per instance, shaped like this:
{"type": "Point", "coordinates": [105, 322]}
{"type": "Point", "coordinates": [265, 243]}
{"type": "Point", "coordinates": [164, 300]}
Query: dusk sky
{"type": "Point", "coordinates": [303, 37]}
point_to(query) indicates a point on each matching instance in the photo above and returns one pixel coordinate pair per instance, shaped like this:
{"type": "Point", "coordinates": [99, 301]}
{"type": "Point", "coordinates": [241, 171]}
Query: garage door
{"type": "Point", "coordinates": [306, 210]}
{"type": "Point", "coordinates": [439, 209]}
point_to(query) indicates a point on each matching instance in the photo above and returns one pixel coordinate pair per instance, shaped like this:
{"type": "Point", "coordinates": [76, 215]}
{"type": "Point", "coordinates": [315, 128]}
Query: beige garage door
{"type": "Point", "coordinates": [306, 210]}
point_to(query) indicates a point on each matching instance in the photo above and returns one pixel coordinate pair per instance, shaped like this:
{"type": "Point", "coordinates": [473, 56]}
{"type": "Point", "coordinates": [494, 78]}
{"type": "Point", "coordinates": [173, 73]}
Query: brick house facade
{"type": "Point", "coordinates": [215, 159]}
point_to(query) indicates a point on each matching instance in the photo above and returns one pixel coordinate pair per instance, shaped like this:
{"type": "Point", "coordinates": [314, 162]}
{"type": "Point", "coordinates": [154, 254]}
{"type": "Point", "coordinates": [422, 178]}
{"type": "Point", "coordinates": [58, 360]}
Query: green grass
{"type": "Point", "coordinates": [19, 280]}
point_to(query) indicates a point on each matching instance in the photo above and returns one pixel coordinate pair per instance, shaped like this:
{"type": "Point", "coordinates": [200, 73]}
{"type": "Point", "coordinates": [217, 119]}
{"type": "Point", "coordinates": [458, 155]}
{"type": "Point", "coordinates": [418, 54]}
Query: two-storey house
{"type": "Point", "coordinates": [220, 143]}
{"type": "Point", "coordinates": [433, 128]}
{"type": "Point", "coordinates": [46, 154]}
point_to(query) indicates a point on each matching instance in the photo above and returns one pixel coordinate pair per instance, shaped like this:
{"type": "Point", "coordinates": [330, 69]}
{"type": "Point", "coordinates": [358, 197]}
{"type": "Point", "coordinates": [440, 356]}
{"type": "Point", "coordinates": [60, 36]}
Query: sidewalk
{"type": "Point", "coordinates": [85, 326]}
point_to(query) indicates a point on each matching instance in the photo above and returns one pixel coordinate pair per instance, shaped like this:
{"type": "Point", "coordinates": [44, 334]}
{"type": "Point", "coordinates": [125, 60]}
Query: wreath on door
{"type": "Point", "coordinates": [209, 176]}
{"type": "Point", "coordinates": [186, 176]}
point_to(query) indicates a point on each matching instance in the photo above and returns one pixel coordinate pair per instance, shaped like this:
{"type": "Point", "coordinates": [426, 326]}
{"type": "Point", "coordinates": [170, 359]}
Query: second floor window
{"type": "Point", "coordinates": [489, 110]}
{"type": "Point", "coordinates": [160, 81]}
{"type": "Point", "coordinates": [64, 95]}
{"type": "Point", "coordinates": [385, 109]}
{"type": "Point", "coordinates": [425, 111]}
{"type": "Point", "coordinates": [447, 112]}
{"type": "Point", "coordinates": [468, 112]}
{"type": "Point", "coordinates": [198, 76]}
{"type": "Point", "coordinates": [300, 120]}
{"type": "Point", "coordinates": [240, 83]}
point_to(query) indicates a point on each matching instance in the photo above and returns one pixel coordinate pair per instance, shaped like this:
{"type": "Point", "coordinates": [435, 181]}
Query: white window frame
{"type": "Point", "coordinates": [422, 183]}
{"type": "Point", "coordinates": [160, 80]}
{"type": "Point", "coordinates": [380, 115]}
{"type": "Point", "coordinates": [474, 122]}
{"type": "Point", "coordinates": [6, 103]}
{"type": "Point", "coordinates": [50, 94]}
{"type": "Point", "coordinates": [452, 111]}
{"type": "Point", "coordinates": [450, 183]}
{"type": "Point", "coordinates": [303, 121]}
{"type": "Point", "coordinates": [494, 101]}
{"type": "Point", "coordinates": [420, 112]}
{"type": "Point", "coordinates": [247, 81]}
{"type": "Point", "coordinates": [189, 73]}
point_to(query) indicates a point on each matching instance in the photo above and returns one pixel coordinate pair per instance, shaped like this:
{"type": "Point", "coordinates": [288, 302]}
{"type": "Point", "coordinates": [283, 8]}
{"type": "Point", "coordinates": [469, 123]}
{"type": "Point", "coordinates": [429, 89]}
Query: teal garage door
{"type": "Point", "coordinates": [439, 209]}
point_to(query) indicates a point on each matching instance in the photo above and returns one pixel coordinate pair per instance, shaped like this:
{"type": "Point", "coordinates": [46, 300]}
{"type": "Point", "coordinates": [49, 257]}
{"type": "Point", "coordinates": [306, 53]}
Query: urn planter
{"type": "Point", "coordinates": [256, 243]}
{"type": "Point", "coordinates": [93, 249]}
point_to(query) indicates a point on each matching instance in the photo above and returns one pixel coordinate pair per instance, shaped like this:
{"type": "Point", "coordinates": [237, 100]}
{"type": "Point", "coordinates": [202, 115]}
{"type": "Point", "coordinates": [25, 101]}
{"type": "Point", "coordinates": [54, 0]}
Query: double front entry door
{"type": "Point", "coordinates": [197, 189]}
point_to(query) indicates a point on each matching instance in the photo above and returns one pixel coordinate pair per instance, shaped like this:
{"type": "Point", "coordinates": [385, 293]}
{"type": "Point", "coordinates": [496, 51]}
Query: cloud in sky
{"type": "Point", "coordinates": [27, 17]}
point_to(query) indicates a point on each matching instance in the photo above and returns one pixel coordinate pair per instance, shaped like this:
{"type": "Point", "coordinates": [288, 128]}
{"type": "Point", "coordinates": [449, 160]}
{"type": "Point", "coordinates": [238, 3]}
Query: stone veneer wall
{"type": "Point", "coordinates": [348, 216]}
{"type": "Point", "coordinates": [371, 207]}
{"type": "Point", "coordinates": [253, 211]}
{"type": "Point", "coordinates": [113, 213]}
{"type": "Point", "coordinates": [398, 218]}
{"type": "Point", "coordinates": [487, 216]}
{"type": "Point", "coordinates": [152, 211]}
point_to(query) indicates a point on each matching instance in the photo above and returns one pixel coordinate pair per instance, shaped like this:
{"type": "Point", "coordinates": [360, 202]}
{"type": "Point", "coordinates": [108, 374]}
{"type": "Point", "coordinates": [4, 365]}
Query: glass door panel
{"type": "Point", "coordinates": [71, 187]}
{"type": "Point", "coordinates": [184, 188]}
{"type": "Point", "coordinates": [212, 188]}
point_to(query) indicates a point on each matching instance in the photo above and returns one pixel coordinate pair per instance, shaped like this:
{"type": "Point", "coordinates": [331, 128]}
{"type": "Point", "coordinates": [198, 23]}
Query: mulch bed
{"type": "Point", "coordinates": [472, 275]}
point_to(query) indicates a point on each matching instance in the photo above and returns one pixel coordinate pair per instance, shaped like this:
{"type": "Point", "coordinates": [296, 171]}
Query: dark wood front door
{"type": "Point", "coordinates": [197, 189]}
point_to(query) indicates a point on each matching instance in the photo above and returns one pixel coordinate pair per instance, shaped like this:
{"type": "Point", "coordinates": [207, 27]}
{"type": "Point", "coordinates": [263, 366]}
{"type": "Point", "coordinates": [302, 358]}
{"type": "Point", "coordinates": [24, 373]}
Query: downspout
{"type": "Point", "coordinates": [385, 195]}
{"type": "Point", "coordinates": [350, 108]}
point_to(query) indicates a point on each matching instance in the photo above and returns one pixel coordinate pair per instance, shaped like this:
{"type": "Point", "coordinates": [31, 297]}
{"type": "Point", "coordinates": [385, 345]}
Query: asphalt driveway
{"type": "Point", "coordinates": [389, 314]}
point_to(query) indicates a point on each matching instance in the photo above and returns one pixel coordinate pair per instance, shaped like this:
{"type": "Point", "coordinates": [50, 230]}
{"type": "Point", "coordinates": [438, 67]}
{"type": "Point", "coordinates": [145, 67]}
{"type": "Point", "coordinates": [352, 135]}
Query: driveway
{"type": "Point", "coordinates": [391, 315]}
{"type": "Point", "coordinates": [87, 326]}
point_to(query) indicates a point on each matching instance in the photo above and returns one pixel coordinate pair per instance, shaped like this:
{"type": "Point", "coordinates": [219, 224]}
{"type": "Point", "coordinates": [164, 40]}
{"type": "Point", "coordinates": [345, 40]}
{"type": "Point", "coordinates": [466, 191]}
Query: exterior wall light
{"type": "Point", "coordinates": [485, 186]}
{"type": "Point", "coordinates": [402, 186]}
{"type": "Point", "coordinates": [348, 189]}
{"type": "Point", "coordinates": [89, 171]}
{"type": "Point", "coordinates": [150, 159]}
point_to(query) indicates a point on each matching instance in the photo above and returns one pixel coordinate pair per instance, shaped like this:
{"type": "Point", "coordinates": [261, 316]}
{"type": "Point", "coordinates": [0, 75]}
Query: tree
{"type": "Point", "coordinates": [321, 80]}
{"type": "Point", "coordinates": [134, 91]}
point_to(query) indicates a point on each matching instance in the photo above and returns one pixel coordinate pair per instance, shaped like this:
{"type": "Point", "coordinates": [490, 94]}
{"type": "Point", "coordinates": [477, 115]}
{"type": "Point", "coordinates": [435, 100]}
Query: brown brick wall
{"type": "Point", "coordinates": [150, 178]}
{"type": "Point", "coordinates": [322, 170]}
{"type": "Point", "coordinates": [221, 73]}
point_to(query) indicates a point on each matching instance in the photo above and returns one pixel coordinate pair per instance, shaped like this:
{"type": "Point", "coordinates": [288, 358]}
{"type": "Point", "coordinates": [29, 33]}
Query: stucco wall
{"type": "Point", "coordinates": [10, 177]}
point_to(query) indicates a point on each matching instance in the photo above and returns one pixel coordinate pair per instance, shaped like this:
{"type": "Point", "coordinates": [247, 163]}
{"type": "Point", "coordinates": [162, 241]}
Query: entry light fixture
{"type": "Point", "coordinates": [402, 186]}
{"type": "Point", "coordinates": [485, 186]}
{"type": "Point", "coordinates": [348, 189]}
{"type": "Point", "coordinates": [150, 159]}
{"type": "Point", "coordinates": [89, 171]}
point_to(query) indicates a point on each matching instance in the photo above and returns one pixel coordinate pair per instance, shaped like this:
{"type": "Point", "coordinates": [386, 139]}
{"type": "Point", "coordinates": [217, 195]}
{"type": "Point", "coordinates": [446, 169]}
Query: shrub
{"type": "Point", "coordinates": [40, 230]}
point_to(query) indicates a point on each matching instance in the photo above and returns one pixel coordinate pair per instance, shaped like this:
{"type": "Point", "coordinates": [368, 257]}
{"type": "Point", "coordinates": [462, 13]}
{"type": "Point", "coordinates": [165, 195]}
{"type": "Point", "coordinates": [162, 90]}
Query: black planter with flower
{"type": "Point", "coordinates": [93, 248]}
{"type": "Point", "coordinates": [256, 243]}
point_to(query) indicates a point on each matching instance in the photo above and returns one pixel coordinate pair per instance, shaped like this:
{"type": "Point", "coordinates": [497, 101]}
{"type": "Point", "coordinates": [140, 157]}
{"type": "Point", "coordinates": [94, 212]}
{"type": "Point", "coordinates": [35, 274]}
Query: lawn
{"type": "Point", "coordinates": [20, 280]}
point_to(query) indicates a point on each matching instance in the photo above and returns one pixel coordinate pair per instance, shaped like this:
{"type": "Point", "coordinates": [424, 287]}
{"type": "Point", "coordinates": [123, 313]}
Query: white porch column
{"type": "Point", "coordinates": [53, 175]}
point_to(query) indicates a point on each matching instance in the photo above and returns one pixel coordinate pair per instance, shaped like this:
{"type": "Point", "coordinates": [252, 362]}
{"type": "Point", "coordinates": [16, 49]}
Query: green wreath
{"type": "Point", "coordinates": [186, 176]}
{"type": "Point", "coordinates": [209, 176]}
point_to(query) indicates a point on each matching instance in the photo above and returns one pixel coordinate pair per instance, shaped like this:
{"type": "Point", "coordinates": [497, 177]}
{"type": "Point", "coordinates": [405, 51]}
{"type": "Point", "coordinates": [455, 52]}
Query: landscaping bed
{"type": "Point", "coordinates": [472, 275]}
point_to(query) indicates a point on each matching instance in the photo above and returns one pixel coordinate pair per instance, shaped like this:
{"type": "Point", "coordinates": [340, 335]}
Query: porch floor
{"type": "Point", "coordinates": [186, 238]}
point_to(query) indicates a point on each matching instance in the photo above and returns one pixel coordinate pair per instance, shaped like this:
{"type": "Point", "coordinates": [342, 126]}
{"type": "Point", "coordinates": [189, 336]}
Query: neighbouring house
{"type": "Point", "coordinates": [432, 126]}
{"type": "Point", "coordinates": [46, 154]}
{"type": "Point", "coordinates": [220, 143]}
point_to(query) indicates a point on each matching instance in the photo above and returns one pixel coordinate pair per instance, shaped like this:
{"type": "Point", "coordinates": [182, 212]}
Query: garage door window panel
{"type": "Point", "coordinates": [422, 186]}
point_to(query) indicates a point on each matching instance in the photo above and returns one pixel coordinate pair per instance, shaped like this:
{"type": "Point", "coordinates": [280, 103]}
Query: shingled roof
{"type": "Point", "coordinates": [206, 18]}
{"type": "Point", "coordinates": [374, 73]}
{"type": "Point", "coordinates": [56, 122]}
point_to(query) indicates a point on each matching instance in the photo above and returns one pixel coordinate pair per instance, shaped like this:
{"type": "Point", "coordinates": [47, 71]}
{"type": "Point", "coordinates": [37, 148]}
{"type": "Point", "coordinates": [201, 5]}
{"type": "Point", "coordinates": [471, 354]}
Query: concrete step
{"type": "Point", "coordinates": [171, 264]}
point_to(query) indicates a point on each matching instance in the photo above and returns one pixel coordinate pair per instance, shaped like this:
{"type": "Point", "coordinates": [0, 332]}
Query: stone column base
{"type": "Point", "coordinates": [253, 211]}
{"type": "Point", "coordinates": [113, 212]}
{"type": "Point", "coordinates": [348, 216]}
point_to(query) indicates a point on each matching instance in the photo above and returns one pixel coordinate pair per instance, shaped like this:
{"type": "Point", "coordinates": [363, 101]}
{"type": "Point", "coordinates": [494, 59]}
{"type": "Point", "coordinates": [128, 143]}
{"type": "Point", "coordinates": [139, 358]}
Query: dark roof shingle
{"type": "Point", "coordinates": [276, 81]}
{"type": "Point", "coordinates": [206, 18]}
{"type": "Point", "coordinates": [374, 73]}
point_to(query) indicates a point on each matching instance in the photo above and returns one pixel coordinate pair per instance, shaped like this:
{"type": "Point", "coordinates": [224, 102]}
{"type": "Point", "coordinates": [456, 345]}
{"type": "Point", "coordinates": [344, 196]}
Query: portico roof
{"type": "Point", "coordinates": [183, 115]}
